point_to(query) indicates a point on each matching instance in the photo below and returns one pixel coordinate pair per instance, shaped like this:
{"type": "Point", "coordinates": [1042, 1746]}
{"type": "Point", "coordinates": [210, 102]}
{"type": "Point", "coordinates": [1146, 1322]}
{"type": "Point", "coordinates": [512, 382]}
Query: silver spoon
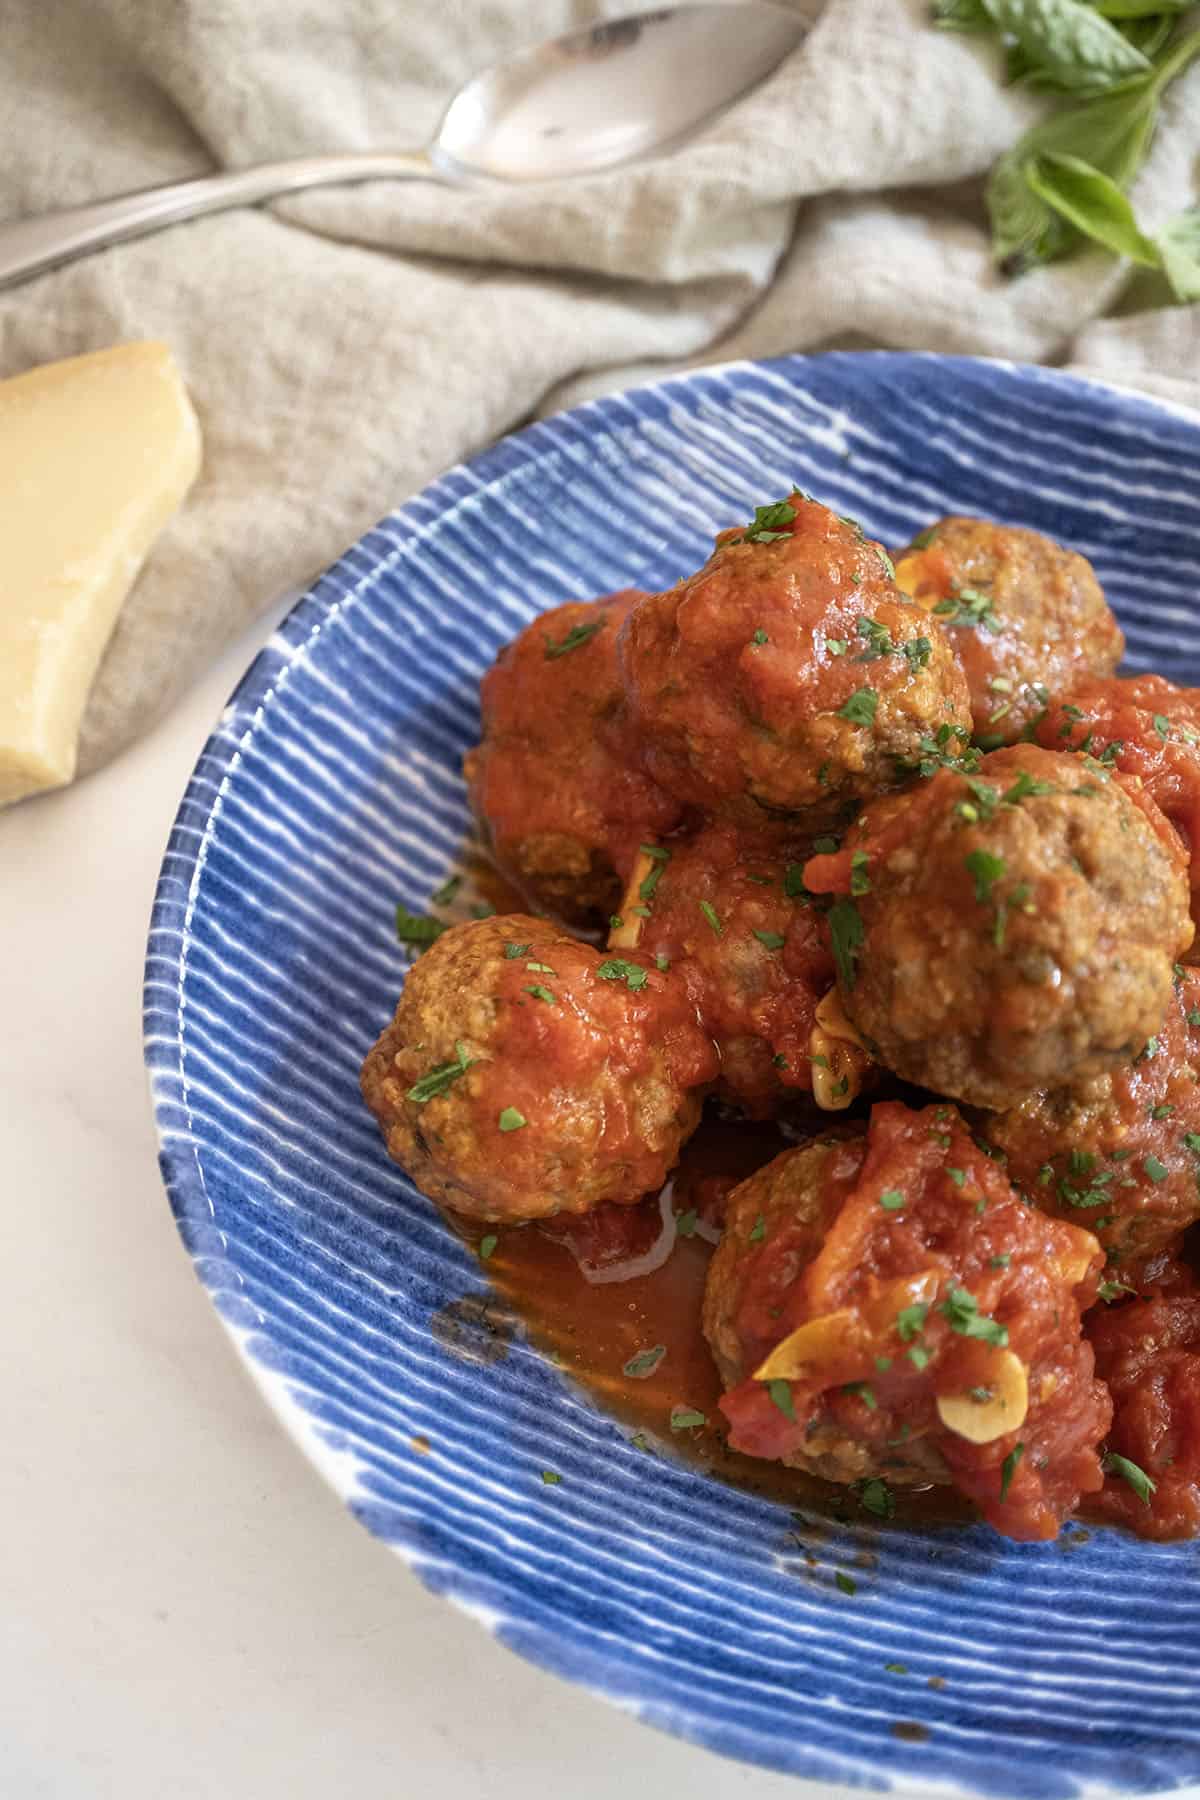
{"type": "Point", "coordinates": [594, 99]}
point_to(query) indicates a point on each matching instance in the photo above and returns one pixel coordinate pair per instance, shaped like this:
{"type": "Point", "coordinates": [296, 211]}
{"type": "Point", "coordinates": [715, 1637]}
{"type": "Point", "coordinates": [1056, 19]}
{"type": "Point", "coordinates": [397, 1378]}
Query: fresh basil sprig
{"type": "Point", "coordinates": [1064, 182]}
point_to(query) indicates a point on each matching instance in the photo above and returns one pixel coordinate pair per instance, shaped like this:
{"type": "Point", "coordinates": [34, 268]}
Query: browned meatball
{"type": "Point", "coordinates": [526, 1074]}
{"type": "Point", "coordinates": [1027, 618]}
{"type": "Point", "coordinates": [1119, 1152]}
{"type": "Point", "coordinates": [1010, 929]}
{"type": "Point", "coordinates": [888, 1308]}
{"type": "Point", "coordinates": [555, 783]}
{"type": "Point", "coordinates": [725, 911]}
{"type": "Point", "coordinates": [790, 674]}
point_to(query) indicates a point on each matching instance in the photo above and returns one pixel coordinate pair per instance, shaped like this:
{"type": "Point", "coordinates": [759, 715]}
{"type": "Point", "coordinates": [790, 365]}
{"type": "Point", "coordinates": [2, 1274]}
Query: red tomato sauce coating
{"type": "Point", "coordinates": [1148, 1352]}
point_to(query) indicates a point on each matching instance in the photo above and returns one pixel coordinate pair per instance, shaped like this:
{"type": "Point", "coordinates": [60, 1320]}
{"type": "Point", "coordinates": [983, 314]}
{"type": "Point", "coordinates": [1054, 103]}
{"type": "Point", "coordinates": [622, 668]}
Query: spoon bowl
{"type": "Point", "coordinates": [611, 94]}
{"type": "Point", "coordinates": [595, 99]}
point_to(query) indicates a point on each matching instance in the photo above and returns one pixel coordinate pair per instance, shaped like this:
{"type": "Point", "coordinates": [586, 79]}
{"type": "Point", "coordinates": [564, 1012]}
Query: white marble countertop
{"type": "Point", "coordinates": [187, 1611]}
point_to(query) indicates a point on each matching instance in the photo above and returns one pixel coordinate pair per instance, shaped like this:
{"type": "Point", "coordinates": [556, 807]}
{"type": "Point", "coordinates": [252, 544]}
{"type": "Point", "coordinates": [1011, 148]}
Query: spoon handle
{"type": "Point", "coordinates": [30, 246]}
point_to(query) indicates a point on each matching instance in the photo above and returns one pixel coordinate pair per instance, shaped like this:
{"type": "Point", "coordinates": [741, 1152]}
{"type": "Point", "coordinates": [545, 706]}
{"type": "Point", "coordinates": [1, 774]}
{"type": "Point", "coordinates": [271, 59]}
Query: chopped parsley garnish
{"type": "Point", "coordinates": [512, 1120]}
{"type": "Point", "coordinates": [1137, 1478]}
{"type": "Point", "coordinates": [710, 914]}
{"type": "Point", "coordinates": [968, 607]}
{"type": "Point", "coordinates": [887, 562]}
{"type": "Point", "coordinates": [984, 869]}
{"type": "Point", "coordinates": [760, 637]}
{"type": "Point", "coordinates": [793, 881]}
{"type": "Point", "coordinates": [1149, 1053]}
{"type": "Point", "coordinates": [540, 968]}
{"type": "Point", "coordinates": [1157, 1171]}
{"type": "Point", "coordinates": [418, 928]}
{"type": "Point", "coordinates": [617, 969]}
{"type": "Point", "coordinates": [860, 880]}
{"type": "Point", "coordinates": [661, 960]}
{"type": "Point", "coordinates": [1192, 1140]}
{"type": "Point", "coordinates": [654, 875]}
{"type": "Point", "coordinates": [876, 1497]}
{"type": "Point", "coordinates": [1026, 787]}
{"type": "Point", "coordinates": [781, 1398]}
{"type": "Point", "coordinates": [883, 1364]}
{"type": "Point", "coordinates": [439, 1079]}
{"type": "Point", "coordinates": [862, 1390]}
{"type": "Point", "coordinates": [958, 1177]}
{"type": "Point", "coordinates": [961, 1312]}
{"type": "Point", "coordinates": [860, 707]}
{"type": "Point", "coordinates": [540, 993]}
{"type": "Point", "coordinates": [891, 1200]}
{"type": "Point", "coordinates": [836, 646]}
{"type": "Point", "coordinates": [758, 1230]}
{"type": "Point", "coordinates": [911, 1320]}
{"type": "Point", "coordinates": [550, 1478]}
{"type": "Point", "coordinates": [774, 940]}
{"type": "Point", "coordinates": [578, 635]}
{"type": "Point", "coordinates": [825, 846]}
{"type": "Point", "coordinates": [487, 1245]}
{"type": "Point", "coordinates": [1000, 1261]}
{"type": "Point", "coordinates": [894, 1668]}
{"type": "Point", "coordinates": [513, 951]}
{"type": "Point", "coordinates": [847, 934]}
{"type": "Point", "coordinates": [918, 1356]}
{"type": "Point", "coordinates": [615, 922]}
{"type": "Point", "coordinates": [846, 1583]}
{"type": "Point", "coordinates": [644, 1363]}
{"type": "Point", "coordinates": [1162, 726]}
{"type": "Point", "coordinates": [918, 651]}
{"type": "Point", "coordinates": [444, 895]}
{"type": "Point", "coordinates": [685, 1222]}
{"type": "Point", "coordinates": [766, 525]}
{"type": "Point", "coordinates": [685, 1418]}
{"type": "Point", "coordinates": [1112, 1290]}
{"type": "Point", "coordinates": [1008, 1468]}
{"type": "Point", "coordinates": [879, 639]}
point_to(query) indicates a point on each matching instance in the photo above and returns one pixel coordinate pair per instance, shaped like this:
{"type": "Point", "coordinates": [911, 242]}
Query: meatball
{"type": "Point", "coordinates": [1119, 1152]}
{"type": "Point", "coordinates": [1026, 617]}
{"type": "Point", "coordinates": [555, 783]}
{"type": "Point", "coordinates": [726, 912]}
{"type": "Point", "coordinates": [889, 1308]}
{"type": "Point", "coordinates": [1144, 726]}
{"type": "Point", "coordinates": [789, 675]}
{"type": "Point", "coordinates": [1004, 931]}
{"type": "Point", "coordinates": [525, 1074]}
{"type": "Point", "coordinates": [1148, 1353]}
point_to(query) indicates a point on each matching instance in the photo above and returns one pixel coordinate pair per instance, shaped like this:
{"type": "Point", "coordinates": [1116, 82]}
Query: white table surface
{"type": "Point", "coordinates": [185, 1610]}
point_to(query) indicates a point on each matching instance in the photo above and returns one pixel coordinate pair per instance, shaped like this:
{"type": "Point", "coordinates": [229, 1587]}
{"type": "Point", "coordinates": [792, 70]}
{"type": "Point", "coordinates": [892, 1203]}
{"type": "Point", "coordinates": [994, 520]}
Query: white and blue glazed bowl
{"type": "Point", "coordinates": [331, 790]}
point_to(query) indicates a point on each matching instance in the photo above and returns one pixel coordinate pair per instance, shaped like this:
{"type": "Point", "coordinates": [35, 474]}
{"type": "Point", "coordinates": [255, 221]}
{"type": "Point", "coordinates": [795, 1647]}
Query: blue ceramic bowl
{"type": "Point", "coordinates": [330, 790]}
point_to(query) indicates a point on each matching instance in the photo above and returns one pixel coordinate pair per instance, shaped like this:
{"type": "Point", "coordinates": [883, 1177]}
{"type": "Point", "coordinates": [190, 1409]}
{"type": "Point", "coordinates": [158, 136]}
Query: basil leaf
{"type": "Point", "coordinates": [1110, 135]}
{"type": "Point", "coordinates": [1092, 202]}
{"type": "Point", "coordinates": [1178, 246]}
{"type": "Point", "coordinates": [1071, 43]}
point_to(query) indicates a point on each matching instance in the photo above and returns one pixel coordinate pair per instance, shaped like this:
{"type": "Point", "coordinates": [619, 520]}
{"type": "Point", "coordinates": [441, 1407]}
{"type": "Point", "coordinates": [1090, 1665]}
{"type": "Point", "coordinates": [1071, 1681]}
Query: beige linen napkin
{"type": "Point", "coordinates": [344, 347]}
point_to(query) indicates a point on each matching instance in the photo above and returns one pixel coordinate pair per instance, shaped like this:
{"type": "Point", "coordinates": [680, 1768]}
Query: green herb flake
{"type": "Point", "coordinates": [836, 646]}
{"type": "Point", "coordinates": [911, 1320]}
{"type": "Point", "coordinates": [418, 928]}
{"type": "Point", "coordinates": [662, 962]}
{"type": "Point", "coordinates": [513, 951]}
{"type": "Point", "coordinates": [550, 1479]}
{"type": "Point", "coordinates": [985, 870]}
{"type": "Point", "coordinates": [891, 1200]}
{"type": "Point", "coordinates": [1008, 1469]}
{"type": "Point", "coordinates": [879, 639]}
{"type": "Point", "coordinates": [968, 607]}
{"type": "Point", "coordinates": [575, 638]}
{"type": "Point", "coordinates": [793, 881]}
{"type": "Point", "coordinates": [444, 895]}
{"type": "Point", "coordinates": [958, 1177]}
{"type": "Point", "coordinates": [846, 934]}
{"type": "Point", "coordinates": [1162, 726]}
{"type": "Point", "coordinates": [1137, 1478]}
{"type": "Point", "coordinates": [861, 1390]}
{"type": "Point", "coordinates": [961, 1312]}
{"type": "Point", "coordinates": [643, 1365]}
{"type": "Point", "coordinates": [486, 1246]}
{"type": "Point", "coordinates": [439, 1079]}
{"type": "Point", "coordinates": [540, 993]}
{"type": "Point", "coordinates": [918, 1356]}
{"type": "Point", "coordinates": [710, 913]}
{"type": "Point", "coordinates": [877, 1497]}
{"type": "Point", "coordinates": [845, 1582]}
{"type": "Point", "coordinates": [895, 1668]}
{"type": "Point", "coordinates": [860, 708]}
{"type": "Point", "coordinates": [860, 879]}
{"type": "Point", "coordinates": [685, 1223]}
{"type": "Point", "coordinates": [918, 651]}
{"type": "Point", "coordinates": [512, 1120]}
{"type": "Point", "coordinates": [760, 637]}
{"type": "Point", "coordinates": [774, 940]}
{"type": "Point", "coordinates": [615, 968]}
{"type": "Point", "coordinates": [1002, 1260]}
{"type": "Point", "coordinates": [768, 523]}
{"type": "Point", "coordinates": [1157, 1171]}
{"type": "Point", "coordinates": [686, 1418]}
{"type": "Point", "coordinates": [758, 1230]}
{"type": "Point", "coordinates": [540, 968]}
{"type": "Point", "coordinates": [781, 1398]}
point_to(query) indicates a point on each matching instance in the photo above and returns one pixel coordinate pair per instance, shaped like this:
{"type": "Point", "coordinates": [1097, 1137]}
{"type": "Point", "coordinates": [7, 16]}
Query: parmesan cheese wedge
{"type": "Point", "coordinates": [96, 453]}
